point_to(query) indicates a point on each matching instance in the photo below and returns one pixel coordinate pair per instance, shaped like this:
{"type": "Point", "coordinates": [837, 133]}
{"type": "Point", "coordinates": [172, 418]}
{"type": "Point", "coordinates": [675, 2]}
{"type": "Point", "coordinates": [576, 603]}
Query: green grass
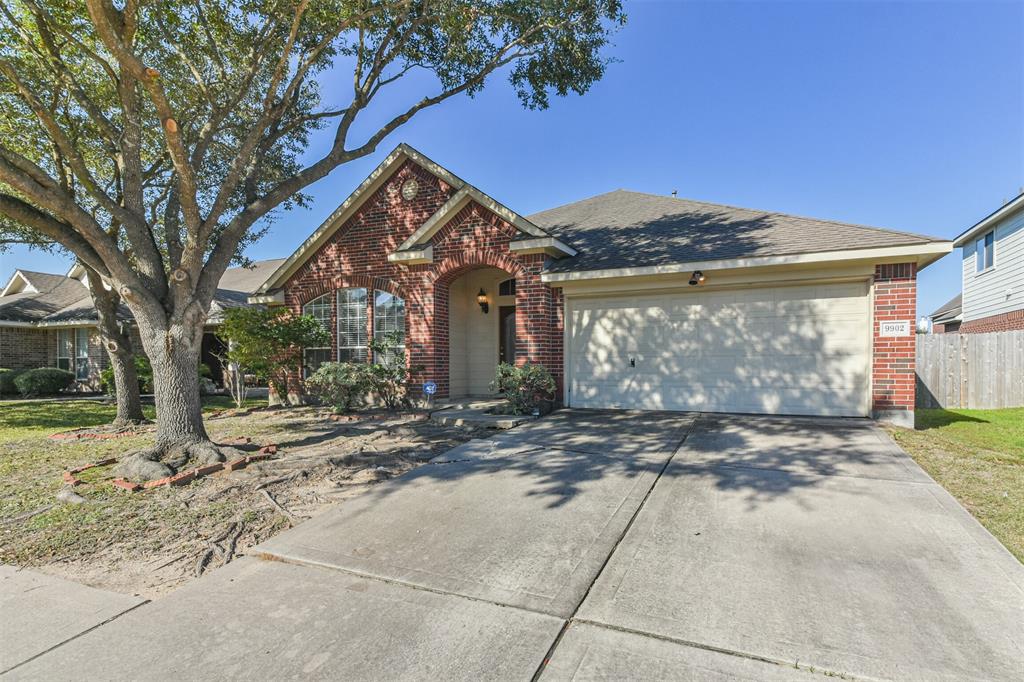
{"type": "Point", "coordinates": [25, 418]}
{"type": "Point", "coordinates": [978, 456]}
{"type": "Point", "coordinates": [30, 476]}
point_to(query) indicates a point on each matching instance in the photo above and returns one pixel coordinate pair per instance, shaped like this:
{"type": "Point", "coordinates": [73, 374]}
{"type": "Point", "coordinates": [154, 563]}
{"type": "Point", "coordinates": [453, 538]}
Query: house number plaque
{"type": "Point", "coordinates": [899, 328]}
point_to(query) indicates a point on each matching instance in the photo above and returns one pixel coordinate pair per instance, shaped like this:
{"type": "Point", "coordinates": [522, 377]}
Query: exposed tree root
{"type": "Point", "coordinates": [162, 461]}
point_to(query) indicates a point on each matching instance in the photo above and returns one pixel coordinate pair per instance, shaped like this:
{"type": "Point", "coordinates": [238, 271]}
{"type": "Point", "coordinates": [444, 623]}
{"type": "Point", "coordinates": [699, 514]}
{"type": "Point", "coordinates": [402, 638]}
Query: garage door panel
{"type": "Point", "coordinates": [792, 350]}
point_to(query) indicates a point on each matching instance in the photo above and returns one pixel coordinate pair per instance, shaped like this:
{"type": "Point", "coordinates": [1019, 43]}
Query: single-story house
{"type": "Point", "coordinates": [631, 300]}
{"type": "Point", "coordinates": [992, 257]}
{"type": "Point", "coordinates": [48, 320]}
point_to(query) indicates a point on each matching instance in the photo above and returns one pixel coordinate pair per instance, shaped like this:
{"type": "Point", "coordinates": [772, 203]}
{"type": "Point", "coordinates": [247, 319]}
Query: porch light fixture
{"type": "Point", "coordinates": [481, 298]}
{"type": "Point", "coordinates": [696, 278]}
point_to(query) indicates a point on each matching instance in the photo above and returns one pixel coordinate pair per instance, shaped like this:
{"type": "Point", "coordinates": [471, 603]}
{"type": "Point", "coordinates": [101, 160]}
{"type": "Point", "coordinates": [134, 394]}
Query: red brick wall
{"type": "Point", "coordinates": [994, 323]}
{"type": "Point", "coordinates": [23, 348]}
{"type": "Point", "coordinates": [946, 328]}
{"type": "Point", "coordinates": [892, 370]}
{"type": "Point", "coordinates": [356, 256]}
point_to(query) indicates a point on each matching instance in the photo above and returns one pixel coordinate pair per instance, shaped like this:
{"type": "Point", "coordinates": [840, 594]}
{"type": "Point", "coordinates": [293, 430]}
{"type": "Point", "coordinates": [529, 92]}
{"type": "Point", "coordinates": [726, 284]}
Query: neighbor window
{"type": "Point", "coordinates": [986, 247]}
{"type": "Point", "coordinates": [320, 308]}
{"type": "Point", "coordinates": [389, 319]}
{"type": "Point", "coordinates": [352, 325]}
{"type": "Point", "coordinates": [82, 354]}
{"type": "Point", "coordinates": [64, 349]}
{"type": "Point", "coordinates": [507, 288]}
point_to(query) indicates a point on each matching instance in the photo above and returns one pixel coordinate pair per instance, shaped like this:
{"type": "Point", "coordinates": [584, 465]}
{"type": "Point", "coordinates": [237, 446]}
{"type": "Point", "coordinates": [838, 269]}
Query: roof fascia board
{"type": "Point", "coordinates": [413, 257]}
{"type": "Point", "coordinates": [275, 298]}
{"type": "Point", "coordinates": [546, 245]}
{"type": "Point", "coordinates": [921, 252]}
{"type": "Point", "coordinates": [457, 203]}
{"type": "Point", "coordinates": [372, 183]}
{"type": "Point", "coordinates": [989, 220]}
{"type": "Point", "coordinates": [17, 323]}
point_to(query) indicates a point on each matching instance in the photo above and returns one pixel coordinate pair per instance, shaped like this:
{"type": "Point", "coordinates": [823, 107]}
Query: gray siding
{"type": "Point", "coordinates": [985, 293]}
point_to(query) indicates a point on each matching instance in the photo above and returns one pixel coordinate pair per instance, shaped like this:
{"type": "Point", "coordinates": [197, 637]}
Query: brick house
{"type": "Point", "coordinates": [48, 320]}
{"type": "Point", "coordinates": [631, 300]}
{"type": "Point", "coordinates": [992, 258]}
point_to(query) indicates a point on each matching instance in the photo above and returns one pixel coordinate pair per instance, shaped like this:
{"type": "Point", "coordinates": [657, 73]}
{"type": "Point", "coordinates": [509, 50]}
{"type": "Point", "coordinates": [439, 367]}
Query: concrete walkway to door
{"type": "Point", "coordinates": [607, 545]}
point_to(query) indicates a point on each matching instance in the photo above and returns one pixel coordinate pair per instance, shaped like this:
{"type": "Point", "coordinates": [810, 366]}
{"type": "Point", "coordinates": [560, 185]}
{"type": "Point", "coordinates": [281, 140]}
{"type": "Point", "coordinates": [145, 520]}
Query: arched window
{"type": "Point", "coordinates": [389, 319]}
{"type": "Point", "coordinates": [320, 308]}
{"type": "Point", "coordinates": [507, 288]}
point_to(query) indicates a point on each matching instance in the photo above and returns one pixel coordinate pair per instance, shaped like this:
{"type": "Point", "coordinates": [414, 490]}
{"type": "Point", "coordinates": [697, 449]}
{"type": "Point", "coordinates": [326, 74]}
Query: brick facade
{"type": "Point", "coordinates": [23, 348]}
{"type": "Point", "coordinates": [356, 256]}
{"type": "Point", "coordinates": [946, 328]}
{"type": "Point", "coordinates": [893, 358]}
{"type": "Point", "coordinates": [1010, 321]}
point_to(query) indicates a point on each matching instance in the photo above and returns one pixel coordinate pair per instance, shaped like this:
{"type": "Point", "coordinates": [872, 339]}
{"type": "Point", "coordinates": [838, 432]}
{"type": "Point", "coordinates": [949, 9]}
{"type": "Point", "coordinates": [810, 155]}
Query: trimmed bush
{"type": "Point", "coordinates": [143, 371]}
{"type": "Point", "coordinates": [43, 381]}
{"type": "Point", "coordinates": [342, 385]}
{"type": "Point", "coordinates": [7, 377]}
{"type": "Point", "coordinates": [526, 388]}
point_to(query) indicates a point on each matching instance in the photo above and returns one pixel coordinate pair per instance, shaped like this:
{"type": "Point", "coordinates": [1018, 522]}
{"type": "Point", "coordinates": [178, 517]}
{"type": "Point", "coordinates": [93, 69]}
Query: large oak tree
{"type": "Point", "coordinates": [154, 139]}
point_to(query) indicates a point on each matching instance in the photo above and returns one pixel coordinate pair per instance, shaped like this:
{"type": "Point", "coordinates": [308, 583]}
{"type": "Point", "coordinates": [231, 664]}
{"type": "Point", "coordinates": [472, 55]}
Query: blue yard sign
{"type": "Point", "coordinates": [429, 388]}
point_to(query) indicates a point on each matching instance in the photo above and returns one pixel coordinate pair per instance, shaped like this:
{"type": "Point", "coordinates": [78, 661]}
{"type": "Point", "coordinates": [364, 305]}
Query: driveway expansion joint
{"type": "Point", "coordinates": [796, 665]}
{"type": "Point", "coordinates": [686, 429]}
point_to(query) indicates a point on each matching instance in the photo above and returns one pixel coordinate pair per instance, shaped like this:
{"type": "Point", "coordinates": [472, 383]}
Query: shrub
{"type": "Point", "coordinates": [43, 381]}
{"type": "Point", "coordinates": [7, 377]}
{"type": "Point", "coordinates": [143, 371]}
{"type": "Point", "coordinates": [388, 375]}
{"type": "Point", "coordinates": [525, 388]}
{"type": "Point", "coordinates": [342, 385]}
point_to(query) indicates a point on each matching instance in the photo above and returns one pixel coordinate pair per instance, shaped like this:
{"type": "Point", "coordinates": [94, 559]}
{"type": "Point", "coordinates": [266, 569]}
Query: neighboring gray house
{"type": "Point", "coordinates": [993, 274]}
{"type": "Point", "coordinates": [48, 320]}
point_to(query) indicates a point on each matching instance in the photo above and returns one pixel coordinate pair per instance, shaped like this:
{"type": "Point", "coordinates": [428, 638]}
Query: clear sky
{"type": "Point", "coordinates": [904, 115]}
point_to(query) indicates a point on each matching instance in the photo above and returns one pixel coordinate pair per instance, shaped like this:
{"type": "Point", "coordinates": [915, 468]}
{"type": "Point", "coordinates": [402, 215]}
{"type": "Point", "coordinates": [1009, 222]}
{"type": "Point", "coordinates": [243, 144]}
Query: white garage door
{"type": "Point", "coordinates": [780, 350]}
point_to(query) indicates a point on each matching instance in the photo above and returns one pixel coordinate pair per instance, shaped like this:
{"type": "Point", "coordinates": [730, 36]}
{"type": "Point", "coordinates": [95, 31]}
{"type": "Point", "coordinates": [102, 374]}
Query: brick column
{"type": "Point", "coordinates": [893, 357]}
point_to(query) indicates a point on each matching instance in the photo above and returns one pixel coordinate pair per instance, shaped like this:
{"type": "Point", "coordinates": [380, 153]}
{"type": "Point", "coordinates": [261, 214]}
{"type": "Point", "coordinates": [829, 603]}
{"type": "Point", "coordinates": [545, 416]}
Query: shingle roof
{"type": "Point", "coordinates": [949, 309]}
{"type": "Point", "coordinates": [36, 307]}
{"type": "Point", "coordinates": [66, 299]}
{"type": "Point", "coordinates": [237, 284]}
{"type": "Point", "coordinates": [624, 229]}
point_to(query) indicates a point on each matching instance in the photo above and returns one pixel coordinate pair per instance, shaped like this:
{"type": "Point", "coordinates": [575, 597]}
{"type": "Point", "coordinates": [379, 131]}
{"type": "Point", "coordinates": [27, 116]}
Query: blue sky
{"type": "Point", "coordinates": [901, 115]}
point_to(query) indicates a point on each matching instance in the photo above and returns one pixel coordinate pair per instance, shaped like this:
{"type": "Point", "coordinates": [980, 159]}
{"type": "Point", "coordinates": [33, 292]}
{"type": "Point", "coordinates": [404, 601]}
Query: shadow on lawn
{"type": "Point", "coordinates": [937, 418]}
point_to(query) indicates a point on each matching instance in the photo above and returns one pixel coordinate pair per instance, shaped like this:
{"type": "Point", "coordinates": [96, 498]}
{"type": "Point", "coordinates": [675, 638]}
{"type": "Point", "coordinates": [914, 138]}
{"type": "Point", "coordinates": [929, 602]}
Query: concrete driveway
{"type": "Point", "coordinates": [604, 545]}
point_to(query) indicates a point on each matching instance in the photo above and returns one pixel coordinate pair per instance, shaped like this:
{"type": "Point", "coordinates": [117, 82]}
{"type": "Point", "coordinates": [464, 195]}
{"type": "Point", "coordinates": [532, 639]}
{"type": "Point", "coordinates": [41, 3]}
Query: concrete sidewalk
{"type": "Point", "coordinates": [589, 545]}
{"type": "Point", "coordinates": [39, 612]}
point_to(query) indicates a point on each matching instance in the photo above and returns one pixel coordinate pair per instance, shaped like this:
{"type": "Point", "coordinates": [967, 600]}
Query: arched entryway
{"type": "Point", "coordinates": [481, 329]}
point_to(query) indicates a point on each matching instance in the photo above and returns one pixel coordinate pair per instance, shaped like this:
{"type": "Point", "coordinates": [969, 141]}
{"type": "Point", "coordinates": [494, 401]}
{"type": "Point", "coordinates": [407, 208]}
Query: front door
{"type": "Point", "coordinates": [507, 334]}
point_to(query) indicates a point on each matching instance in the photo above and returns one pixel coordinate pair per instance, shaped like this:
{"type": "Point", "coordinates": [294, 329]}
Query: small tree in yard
{"type": "Point", "coordinates": [155, 139]}
{"type": "Point", "coordinates": [268, 343]}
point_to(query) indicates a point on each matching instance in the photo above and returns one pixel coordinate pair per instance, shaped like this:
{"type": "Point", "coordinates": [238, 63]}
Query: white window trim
{"type": "Point", "coordinates": [978, 253]}
{"type": "Point", "coordinates": [70, 346]}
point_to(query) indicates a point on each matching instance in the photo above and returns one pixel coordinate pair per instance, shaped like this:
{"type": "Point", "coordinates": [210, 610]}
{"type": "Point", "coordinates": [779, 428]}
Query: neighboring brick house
{"type": "Point", "coordinates": [992, 257]}
{"type": "Point", "coordinates": [48, 320]}
{"type": "Point", "coordinates": [631, 300]}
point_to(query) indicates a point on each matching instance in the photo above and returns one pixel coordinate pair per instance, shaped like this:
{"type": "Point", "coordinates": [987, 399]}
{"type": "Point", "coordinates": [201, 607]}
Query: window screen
{"type": "Point", "coordinates": [986, 251]}
{"type": "Point", "coordinates": [389, 318]}
{"type": "Point", "coordinates": [82, 354]}
{"type": "Point", "coordinates": [64, 349]}
{"type": "Point", "coordinates": [352, 325]}
{"type": "Point", "coordinates": [320, 308]}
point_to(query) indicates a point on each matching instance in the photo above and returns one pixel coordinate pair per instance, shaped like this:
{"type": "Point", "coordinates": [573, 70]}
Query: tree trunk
{"type": "Point", "coordinates": [119, 349]}
{"type": "Point", "coordinates": [174, 354]}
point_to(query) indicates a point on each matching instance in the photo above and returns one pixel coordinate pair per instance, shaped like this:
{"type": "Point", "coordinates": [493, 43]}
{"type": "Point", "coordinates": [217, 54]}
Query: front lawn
{"type": "Point", "coordinates": [153, 541]}
{"type": "Point", "coordinates": [978, 456]}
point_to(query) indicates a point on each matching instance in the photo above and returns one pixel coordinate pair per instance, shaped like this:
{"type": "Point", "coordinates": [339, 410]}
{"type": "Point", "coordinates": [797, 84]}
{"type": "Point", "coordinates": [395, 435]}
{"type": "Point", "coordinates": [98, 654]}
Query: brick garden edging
{"type": "Point", "coordinates": [180, 478]}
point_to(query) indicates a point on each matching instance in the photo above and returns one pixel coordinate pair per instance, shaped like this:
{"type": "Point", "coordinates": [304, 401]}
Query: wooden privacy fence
{"type": "Point", "coordinates": [977, 371]}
